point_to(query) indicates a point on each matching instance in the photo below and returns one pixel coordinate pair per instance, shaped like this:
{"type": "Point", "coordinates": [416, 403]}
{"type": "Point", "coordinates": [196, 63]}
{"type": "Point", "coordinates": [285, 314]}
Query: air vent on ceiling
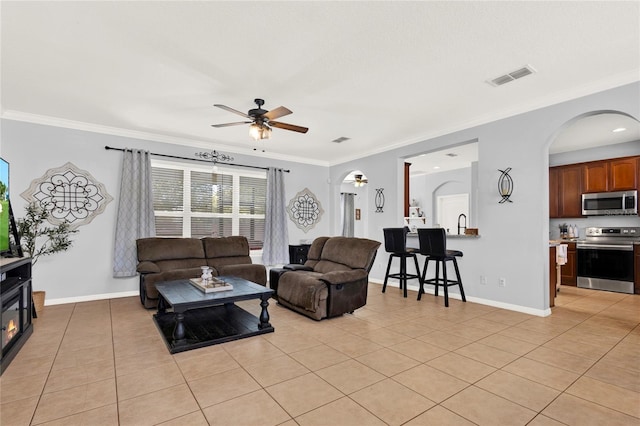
{"type": "Point", "coordinates": [513, 75]}
{"type": "Point", "coordinates": [340, 139]}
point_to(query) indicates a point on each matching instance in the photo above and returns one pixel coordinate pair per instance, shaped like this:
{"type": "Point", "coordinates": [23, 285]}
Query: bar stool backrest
{"type": "Point", "coordinates": [395, 240]}
{"type": "Point", "coordinates": [433, 241]}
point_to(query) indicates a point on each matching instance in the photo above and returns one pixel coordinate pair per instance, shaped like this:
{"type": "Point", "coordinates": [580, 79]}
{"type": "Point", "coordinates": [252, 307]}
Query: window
{"type": "Point", "coordinates": [194, 201]}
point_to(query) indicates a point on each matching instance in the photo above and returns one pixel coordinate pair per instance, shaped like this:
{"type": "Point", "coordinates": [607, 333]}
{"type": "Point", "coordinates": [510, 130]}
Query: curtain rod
{"type": "Point", "coordinates": [196, 159]}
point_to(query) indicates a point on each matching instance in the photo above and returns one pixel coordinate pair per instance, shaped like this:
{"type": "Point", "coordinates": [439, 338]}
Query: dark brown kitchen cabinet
{"type": "Point", "coordinates": [569, 271]}
{"type": "Point", "coordinates": [623, 174]}
{"type": "Point", "coordinates": [554, 205]}
{"type": "Point", "coordinates": [636, 281]}
{"type": "Point", "coordinates": [552, 277]}
{"type": "Point", "coordinates": [595, 177]}
{"type": "Point", "coordinates": [570, 191]}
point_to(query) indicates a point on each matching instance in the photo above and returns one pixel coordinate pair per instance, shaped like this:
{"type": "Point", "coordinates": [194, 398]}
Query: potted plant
{"type": "Point", "coordinates": [37, 239]}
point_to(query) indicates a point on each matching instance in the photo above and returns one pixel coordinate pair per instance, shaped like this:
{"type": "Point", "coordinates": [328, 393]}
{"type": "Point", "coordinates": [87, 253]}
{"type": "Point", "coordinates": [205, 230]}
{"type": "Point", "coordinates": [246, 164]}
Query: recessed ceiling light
{"type": "Point", "coordinates": [436, 167]}
{"type": "Point", "coordinates": [619, 129]}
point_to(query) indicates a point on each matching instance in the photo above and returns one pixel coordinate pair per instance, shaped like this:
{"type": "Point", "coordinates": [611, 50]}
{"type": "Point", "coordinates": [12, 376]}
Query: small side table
{"type": "Point", "coordinates": [298, 253]}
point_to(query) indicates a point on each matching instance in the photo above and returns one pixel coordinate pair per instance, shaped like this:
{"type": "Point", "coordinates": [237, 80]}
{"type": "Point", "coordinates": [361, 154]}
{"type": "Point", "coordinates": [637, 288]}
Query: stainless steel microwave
{"type": "Point", "coordinates": [610, 203]}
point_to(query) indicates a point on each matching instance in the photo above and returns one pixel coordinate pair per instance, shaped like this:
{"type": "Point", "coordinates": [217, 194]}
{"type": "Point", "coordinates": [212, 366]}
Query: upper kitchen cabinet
{"type": "Point", "coordinates": [569, 191]}
{"type": "Point", "coordinates": [554, 193]}
{"type": "Point", "coordinates": [618, 174]}
{"type": "Point", "coordinates": [595, 176]}
{"type": "Point", "coordinates": [623, 174]}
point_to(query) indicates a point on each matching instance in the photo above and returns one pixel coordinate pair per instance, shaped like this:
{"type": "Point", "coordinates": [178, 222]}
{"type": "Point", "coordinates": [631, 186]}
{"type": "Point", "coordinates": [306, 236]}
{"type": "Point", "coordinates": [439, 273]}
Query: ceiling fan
{"type": "Point", "coordinates": [358, 180]}
{"type": "Point", "coordinates": [261, 120]}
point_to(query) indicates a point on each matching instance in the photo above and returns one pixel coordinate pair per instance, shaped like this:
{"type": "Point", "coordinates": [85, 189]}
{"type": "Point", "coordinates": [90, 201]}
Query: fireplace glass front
{"type": "Point", "coordinates": [10, 322]}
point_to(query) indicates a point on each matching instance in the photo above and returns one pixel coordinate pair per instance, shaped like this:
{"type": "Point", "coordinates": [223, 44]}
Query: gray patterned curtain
{"type": "Point", "coordinates": [348, 221]}
{"type": "Point", "coordinates": [135, 211]}
{"type": "Point", "coordinates": [275, 250]}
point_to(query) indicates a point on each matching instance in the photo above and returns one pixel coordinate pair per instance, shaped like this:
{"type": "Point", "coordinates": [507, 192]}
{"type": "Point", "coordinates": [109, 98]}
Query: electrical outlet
{"type": "Point", "coordinates": [483, 280]}
{"type": "Point", "coordinates": [502, 282]}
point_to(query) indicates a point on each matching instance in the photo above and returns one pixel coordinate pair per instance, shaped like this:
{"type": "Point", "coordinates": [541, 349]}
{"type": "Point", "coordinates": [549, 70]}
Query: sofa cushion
{"type": "Point", "coordinates": [176, 274]}
{"type": "Point", "coordinates": [172, 264]}
{"type": "Point", "coordinates": [253, 272]}
{"type": "Point", "coordinates": [355, 253]}
{"type": "Point", "coordinates": [157, 248]}
{"type": "Point", "coordinates": [325, 266]}
{"type": "Point", "coordinates": [225, 246]}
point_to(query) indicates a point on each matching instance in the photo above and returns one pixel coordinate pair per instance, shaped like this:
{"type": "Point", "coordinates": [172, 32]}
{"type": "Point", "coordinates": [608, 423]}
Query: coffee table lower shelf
{"type": "Point", "coordinates": [209, 326]}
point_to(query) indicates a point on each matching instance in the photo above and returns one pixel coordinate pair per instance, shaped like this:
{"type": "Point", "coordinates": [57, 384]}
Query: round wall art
{"type": "Point", "coordinates": [69, 194]}
{"type": "Point", "coordinates": [305, 210]}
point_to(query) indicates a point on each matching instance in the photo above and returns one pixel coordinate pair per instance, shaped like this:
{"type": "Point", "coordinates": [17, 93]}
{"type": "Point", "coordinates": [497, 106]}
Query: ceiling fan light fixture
{"type": "Point", "coordinates": [358, 181]}
{"type": "Point", "coordinates": [255, 131]}
{"type": "Point", "coordinates": [259, 131]}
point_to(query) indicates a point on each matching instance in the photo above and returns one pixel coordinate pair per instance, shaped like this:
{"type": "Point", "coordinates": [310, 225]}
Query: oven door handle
{"type": "Point", "coordinates": [588, 246]}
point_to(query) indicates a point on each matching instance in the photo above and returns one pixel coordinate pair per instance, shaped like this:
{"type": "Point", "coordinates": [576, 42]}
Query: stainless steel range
{"type": "Point", "coordinates": [605, 259]}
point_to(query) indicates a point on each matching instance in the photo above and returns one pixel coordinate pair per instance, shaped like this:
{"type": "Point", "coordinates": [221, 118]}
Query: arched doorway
{"type": "Point", "coordinates": [353, 204]}
{"type": "Point", "coordinates": [586, 139]}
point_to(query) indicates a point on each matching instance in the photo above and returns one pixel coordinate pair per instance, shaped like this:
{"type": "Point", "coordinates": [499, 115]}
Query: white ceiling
{"type": "Point", "coordinates": [382, 73]}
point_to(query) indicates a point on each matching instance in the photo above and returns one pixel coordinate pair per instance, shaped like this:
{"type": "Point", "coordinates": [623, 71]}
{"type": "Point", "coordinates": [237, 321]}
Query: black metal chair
{"type": "Point", "coordinates": [395, 243]}
{"type": "Point", "coordinates": [433, 245]}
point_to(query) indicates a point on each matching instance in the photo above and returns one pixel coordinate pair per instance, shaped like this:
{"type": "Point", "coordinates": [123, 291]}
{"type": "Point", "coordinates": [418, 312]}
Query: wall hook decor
{"type": "Point", "coordinates": [379, 200]}
{"type": "Point", "coordinates": [505, 185]}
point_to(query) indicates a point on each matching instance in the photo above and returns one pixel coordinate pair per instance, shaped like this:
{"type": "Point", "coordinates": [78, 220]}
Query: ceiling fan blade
{"type": "Point", "coordinates": [237, 123]}
{"type": "Point", "coordinates": [277, 113]}
{"type": "Point", "coordinates": [286, 126]}
{"type": "Point", "coordinates": [235, 111]}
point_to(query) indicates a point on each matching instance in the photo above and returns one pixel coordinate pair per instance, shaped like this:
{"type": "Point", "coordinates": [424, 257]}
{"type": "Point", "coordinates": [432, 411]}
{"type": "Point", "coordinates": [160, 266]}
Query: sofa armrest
{"type": "Point", "coordinates": [147, 267]}
{"type": "Point", "coordinates": [344, 277]}
{"type": "Point", "coordinates": [297, 267]}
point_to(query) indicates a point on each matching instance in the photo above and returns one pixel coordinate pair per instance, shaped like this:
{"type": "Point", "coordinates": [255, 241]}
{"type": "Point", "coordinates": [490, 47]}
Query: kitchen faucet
{"type": "Point", "coordinates": [465, 222]}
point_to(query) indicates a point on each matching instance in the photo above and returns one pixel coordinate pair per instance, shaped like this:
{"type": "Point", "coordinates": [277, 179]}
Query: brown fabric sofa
{"type": "Point", "coordinates": [167, 259]}
{"type": "Point", "coordinates": [333, 280]}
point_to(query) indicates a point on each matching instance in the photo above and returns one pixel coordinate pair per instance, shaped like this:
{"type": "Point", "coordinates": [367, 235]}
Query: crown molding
{"type": "Point", "coordinates": [148, 136]}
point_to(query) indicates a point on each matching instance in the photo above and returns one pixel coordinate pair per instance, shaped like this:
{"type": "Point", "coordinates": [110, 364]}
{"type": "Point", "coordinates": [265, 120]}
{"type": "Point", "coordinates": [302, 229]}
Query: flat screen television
{"type": "Point", "coordinates": [5, 230]}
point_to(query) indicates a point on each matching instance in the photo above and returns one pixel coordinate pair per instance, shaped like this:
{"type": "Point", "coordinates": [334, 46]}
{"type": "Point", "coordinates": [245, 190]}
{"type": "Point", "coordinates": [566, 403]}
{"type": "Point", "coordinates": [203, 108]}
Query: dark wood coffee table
{"type": "Point", "coordinates": [199, 319]}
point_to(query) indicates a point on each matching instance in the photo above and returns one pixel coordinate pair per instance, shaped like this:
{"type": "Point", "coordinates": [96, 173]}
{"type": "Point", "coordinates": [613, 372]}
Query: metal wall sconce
{"type": "Point", "coordinates": [505, 185]}
{"type": "Point", "coordinates": [379, 200]}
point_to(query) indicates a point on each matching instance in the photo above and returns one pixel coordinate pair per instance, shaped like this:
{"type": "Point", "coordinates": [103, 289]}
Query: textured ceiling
{"type": "Point", "coordinates": [383, 74]}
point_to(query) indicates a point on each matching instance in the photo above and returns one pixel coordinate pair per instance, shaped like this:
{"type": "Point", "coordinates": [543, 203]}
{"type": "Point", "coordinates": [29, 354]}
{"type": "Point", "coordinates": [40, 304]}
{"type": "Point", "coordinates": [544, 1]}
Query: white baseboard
{"type": "Point", "coordinates": [495, 304]}
{"type": "Point", "coordinates": [501, 305]}
{"type": "Point", "coordinates": [90, 298]}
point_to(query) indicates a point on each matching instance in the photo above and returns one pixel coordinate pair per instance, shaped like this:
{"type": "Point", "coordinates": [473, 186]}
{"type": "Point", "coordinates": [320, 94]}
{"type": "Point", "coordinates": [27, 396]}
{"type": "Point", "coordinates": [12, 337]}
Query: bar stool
{"type": "Point", "coordinates": [395, 243]}
{"type": "Point", "coordinates": [433, 245]}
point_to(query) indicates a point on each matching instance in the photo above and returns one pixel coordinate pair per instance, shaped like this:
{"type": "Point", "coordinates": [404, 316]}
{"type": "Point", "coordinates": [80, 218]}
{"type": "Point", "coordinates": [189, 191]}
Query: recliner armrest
{"type": "Point", "coordinates": [343, 277]}
{"type": "Point", "coordinates": [297, 267]}
{"type": "Point", "coordinates": [147, 267]}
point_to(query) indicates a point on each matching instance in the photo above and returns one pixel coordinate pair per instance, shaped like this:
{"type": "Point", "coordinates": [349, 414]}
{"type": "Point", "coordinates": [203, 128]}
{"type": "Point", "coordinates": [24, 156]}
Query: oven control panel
{"type": "Point", "coordinates": [613, 232]}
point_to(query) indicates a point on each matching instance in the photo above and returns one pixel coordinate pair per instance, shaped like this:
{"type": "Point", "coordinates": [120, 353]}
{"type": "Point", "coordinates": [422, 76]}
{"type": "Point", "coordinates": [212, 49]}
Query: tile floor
{"type": "Point", "coordinates": [396, 362]}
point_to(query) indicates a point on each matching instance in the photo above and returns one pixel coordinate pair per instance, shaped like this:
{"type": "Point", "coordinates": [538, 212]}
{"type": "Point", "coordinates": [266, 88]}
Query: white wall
{"type": "Point", "coordinates": [514, 236]}
{"type": "Point", "coordinates": [85, 270]}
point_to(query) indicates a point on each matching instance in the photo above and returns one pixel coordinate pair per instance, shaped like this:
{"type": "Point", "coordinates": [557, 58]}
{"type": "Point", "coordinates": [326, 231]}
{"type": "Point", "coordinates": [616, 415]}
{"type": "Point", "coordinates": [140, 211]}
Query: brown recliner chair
{"type": "Point", "coordinates": [332, 281]}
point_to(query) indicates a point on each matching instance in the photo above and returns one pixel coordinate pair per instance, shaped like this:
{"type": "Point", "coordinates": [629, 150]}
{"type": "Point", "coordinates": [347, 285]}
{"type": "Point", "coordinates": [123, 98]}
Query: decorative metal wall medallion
{"type": "Point", "coordinates": [379, 200]}
{"type": "Point", "coordinates": [505, 185]}
{"type": "Point", "coordinates": [69, 194]}
{"type": "Point", "coordinates": [305, 210]}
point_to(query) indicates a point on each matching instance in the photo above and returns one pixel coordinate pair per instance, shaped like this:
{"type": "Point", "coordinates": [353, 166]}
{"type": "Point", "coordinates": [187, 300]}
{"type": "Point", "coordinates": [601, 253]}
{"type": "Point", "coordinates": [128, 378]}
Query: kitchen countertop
{"type": "Point", "coordinates": [554, 243]}
{"type": "Point", "coordinates": [449, 236]}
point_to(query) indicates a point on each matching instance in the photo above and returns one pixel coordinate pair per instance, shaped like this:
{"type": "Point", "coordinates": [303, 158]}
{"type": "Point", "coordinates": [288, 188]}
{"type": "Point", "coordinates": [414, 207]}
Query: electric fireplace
{"type": "Point", "coordinates": [16, 307]}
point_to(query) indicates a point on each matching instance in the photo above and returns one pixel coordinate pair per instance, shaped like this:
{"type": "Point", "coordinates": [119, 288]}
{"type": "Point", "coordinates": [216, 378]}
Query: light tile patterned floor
{"type": "Point", "coordinates": [397, 361]}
